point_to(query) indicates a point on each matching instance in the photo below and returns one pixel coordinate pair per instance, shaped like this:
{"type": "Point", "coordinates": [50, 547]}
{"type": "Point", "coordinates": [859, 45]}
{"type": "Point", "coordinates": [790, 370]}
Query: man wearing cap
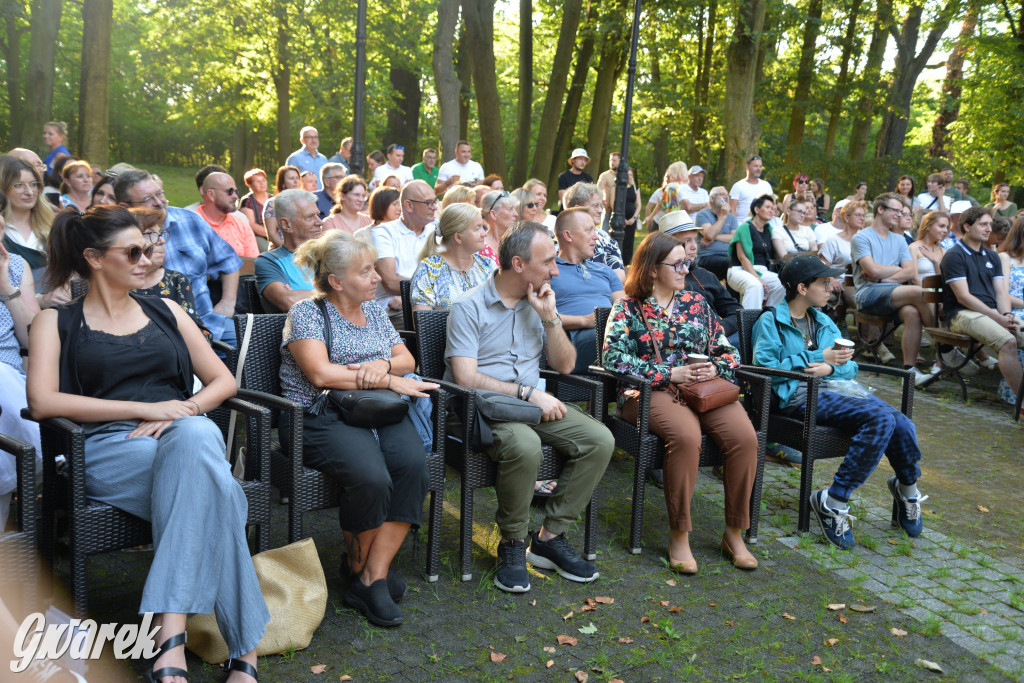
{"type": "Point", "coordinates": [797, 336]}
{"type": "Point", "coordinates": [717, 224]}
{"type": "Point", "coordinates": [956, 232]}
{"type": "Point", "coordinates": [693, 197]}
{"type": "Point", "coordinates": [578, 160]}
{"type": "Point", "coordinates": [679, 225]}
{"type": "Point", "coordinates": [748, 189]}
{"type": "Point", "coordinates": [307, 158]}
{"type": "Point", "coordinates": [582, 284]}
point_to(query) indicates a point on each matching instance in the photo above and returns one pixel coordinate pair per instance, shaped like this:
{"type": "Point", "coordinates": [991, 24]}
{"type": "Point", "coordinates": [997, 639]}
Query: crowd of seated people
{"type": "Point", "coordinates": [521, 280]}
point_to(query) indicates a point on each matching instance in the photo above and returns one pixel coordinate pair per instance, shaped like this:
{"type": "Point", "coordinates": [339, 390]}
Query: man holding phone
{"type": "Point", "coordinates": [716, 223]}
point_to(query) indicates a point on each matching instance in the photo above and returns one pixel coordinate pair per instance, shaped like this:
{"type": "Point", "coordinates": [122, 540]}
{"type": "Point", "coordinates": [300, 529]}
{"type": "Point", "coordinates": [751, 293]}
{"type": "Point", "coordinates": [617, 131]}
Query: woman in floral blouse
{"type": "Point", "coordinates": [448, 269]}
{"type": "Point", "coordinates": [651, 331]}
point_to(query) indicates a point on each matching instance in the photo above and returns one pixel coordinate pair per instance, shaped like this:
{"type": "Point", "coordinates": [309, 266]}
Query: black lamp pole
{"type": "Point", "coordinates": [357, 159]}
{"type": "Point", "coordinates": [620, 232]}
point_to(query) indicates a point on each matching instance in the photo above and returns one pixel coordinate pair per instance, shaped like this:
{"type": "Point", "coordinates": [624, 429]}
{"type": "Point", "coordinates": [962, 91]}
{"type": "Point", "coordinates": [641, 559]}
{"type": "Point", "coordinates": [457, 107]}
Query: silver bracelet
{"type": "Point", "coordinates": [199, 411]}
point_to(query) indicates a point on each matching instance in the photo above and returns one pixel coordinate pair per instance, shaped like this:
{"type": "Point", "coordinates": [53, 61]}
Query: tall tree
{"type": "Point", "coordinates": [404, 114]}
{"type": "Point", "coordinates": [44, 25]}
{"type": "Point", "coordinates": [479, 18]}
{"type": "Point", "coordinates": [614, 50]}
{"type": "Point", "coordinates": [13, 17]}
{"type": "Point", "coordinates": [952, 86]}
{"type": "Point", "coordinates": [524, 114]}
{"type": "Point", "coordinates": [464, 70]}
{"type": "Point", "coordinates": [840, 87]}
{"type": "Point", "coordinates": [445, 79]}
{"type": "Point", "coordinates": [94, 94]}
{"type": "Point", "coordinates": [571, 109]}
{"type": "Point", "coordinates": [281, 74]}
{"type": "Point", "coordinates": [702, 84]}
{"type": "Point", "coordinates": [660, 137]}
{"type": "Point", "coordinates": [909, 65]}
{"type": "Point", "coordinates": [804, 73]}
{"type": "Point", "coordinates": [555, 90]}
{"type": "Point", "coordinates": [742, 129]}
{"type": "Point", "coordinates": [869, 82]}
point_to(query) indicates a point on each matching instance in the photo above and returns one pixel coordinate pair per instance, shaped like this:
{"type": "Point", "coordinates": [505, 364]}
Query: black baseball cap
{"type": "Point", "coordinates": [805, 267]}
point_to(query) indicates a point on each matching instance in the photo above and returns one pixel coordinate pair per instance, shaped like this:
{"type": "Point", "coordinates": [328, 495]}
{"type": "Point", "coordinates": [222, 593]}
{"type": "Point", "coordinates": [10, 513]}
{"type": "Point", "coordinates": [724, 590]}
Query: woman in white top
{"type": "Point", "coordinates": [926, 251]}
{"type": "Point", "coordinates": [836, 250]}
{"type": "Point", "coordinates": [675, 173]}
{"type": "Point", "coordinates": [792, 236]}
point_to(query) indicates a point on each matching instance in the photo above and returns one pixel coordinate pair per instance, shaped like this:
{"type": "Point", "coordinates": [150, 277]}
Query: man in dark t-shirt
{"type": "Point", "coordinates": [577, 162]}
{"type": "Point", "coordinates": [975, 300]}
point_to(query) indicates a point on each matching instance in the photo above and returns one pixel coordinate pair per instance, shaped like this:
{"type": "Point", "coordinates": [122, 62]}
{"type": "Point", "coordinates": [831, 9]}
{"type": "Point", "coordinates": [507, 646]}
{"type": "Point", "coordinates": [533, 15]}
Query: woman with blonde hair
{"type": "Point", "coordinates": [540, 191]}
{"type": "Point", "coordinates": [675, 173]}
{"type": "Point", "coordinates": [76, 185]}
{"type": "Point", "coordinates": [27, 221]}
{"type": "Point", "coordinates": [450, 263]}
{"type": "Point", "coordinates": [458, 194]}
{"type": "Point", "coordinates": [926, 250]}
{"type": "Point", "coordinates": [55, 134]}
{"type": "Point", "coordinates": [526, 204]}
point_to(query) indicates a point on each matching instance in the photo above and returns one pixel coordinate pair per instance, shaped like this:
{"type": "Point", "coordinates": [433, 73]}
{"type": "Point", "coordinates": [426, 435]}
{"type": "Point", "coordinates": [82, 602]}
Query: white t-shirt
{"type": "Point", "coordinates": [394, 240]}
{"type": "Point", "coordinates": [929, 202]}
{"type": "Point", "coordinates": [698, 196]}
{"type": "Point", "coordinates": [744, 193]}
{"type": "Point", "coordinates": [469, 172]}
{"type": "Point", "coordinates": [803, 236]}
{"type": "Point", "coordinates": [836, 251]}
{"type": "Point", "coordinates": [823, 232]}
{"type": "Point", "coordinates": [403, 172]}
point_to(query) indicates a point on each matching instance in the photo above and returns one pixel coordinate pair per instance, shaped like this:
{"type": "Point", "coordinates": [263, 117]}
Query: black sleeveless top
{"type": "Point", "coordinates": [149, 365]}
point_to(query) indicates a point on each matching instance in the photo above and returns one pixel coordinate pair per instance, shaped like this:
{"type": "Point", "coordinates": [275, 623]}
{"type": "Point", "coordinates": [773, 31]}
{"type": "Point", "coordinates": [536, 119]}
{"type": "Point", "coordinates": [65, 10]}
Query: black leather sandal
{"type": "Point", "coordinates": [169, 644]}
{"type": "Point", "coordinates": [243, 666]}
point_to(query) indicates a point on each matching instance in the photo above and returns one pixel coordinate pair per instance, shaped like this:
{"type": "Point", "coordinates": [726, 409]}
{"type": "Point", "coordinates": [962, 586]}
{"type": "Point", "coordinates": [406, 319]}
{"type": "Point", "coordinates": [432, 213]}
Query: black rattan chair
{"type": "Point", "coordinates": [816, 442]}
{"type": "Point", "coordinates": [648, 449]}
{"type": "Point", "coordinates": [19, 566]}
{"type": "Point", "coordinates": [476, 469]}
{"type": "Point", "coordinates": [252, 296]}
{"type": "Point", "coordinates": [95, 527]}
{"type": "Point", "coordinates": [305, 488]}
{"type": "Point", "coordinates": [405, 287]}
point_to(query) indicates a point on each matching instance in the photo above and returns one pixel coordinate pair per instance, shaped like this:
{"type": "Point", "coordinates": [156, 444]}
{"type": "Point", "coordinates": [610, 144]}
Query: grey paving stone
{"type": "Point", "coordinates": [990, 575]}
{"type": "Point", "coordinates": [874, 586]}
{"type": "Point", "coordinates": [933, 605]}
{"type": "Point", "coordinates": [850, 574]}
{"type": "Point", "coordinates": [1009, 665]}
{"type": "Point", "coordinates": [941, 554]}
{"type": "Point", "coordinates": [986, 633]}
{"type": "Point", "coordinates": [952, 583]}
{"type": "Point", "coordinates": [919, 613]}
{"type": "Point", "coordinates": [915, 594]}
{"type": "Point", "coordinates": [891, 598]}
{"type": "Point", "coordinates": [942, 593]}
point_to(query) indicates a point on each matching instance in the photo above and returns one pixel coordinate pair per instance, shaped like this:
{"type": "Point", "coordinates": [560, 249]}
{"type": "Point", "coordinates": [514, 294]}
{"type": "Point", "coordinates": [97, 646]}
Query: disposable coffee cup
{"type": "Point", "coordinates": [844, 344]}
{"type": "Point", "coordinates": [695, 358]}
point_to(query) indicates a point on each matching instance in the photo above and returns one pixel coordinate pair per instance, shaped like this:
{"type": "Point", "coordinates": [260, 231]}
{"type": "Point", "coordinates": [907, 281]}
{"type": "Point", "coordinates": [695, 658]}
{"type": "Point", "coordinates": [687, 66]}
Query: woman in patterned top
{"type": "Point", "coordinates": [650, 333]}
{"type": "Point", "coordinates": [382, 473]}
{"type": "Point", "coordinates": [449, 268]}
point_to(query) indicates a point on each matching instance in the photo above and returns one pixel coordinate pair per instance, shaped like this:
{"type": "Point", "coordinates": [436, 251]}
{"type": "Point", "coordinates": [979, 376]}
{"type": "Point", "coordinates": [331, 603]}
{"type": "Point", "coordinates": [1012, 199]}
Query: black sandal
{"type": "Point", "coordinates": [169, 644]}
{"type": "Point", "coordinates": [243, 666]}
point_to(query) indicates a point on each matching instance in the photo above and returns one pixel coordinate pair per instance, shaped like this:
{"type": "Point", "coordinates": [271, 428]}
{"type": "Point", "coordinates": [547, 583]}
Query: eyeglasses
{"type": "Point", "coordinates": [883, 207]}
{"type": "Point", "coordinates": [332, 177]}
{"type": "Point", "coordinates": [231, 191]}
{"type": "Point", "coordinates": [21, 187]}
{"type": "Point", "coordinates": [134, 252]}
{"type": "Point", "coordinates": [432, 203]}
{"type": "Point", "coordinates": [678, 266]}
{"type": "Point", "coordinates": [399, 147]}
{"type": "Point", "coordinates": [753, 158]}
{"type": "Point", "coordinates": [154, 237]}
{"type": "Point", "coordinates": [531, 205]}
{"type": "Point", "coordinates": [499, 198]}
{"type": "Point", "coordinates": [160, 196]}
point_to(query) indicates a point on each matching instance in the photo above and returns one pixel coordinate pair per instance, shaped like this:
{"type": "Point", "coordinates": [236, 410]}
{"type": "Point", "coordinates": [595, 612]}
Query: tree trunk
{"type": "Point", "coordinates": [479, 18]}
{"type": "Point", "coordinates": [869, 82]}
{"type": "Point", "coordinates": [464, 70]}
{"type": "Point", "coordinates": [404, 117]}
{"type": "Point", "coordinates": [571, 110]}
{"type": "Point", "coordinates": [804, 73]}
{"type": "Point", "coordinates": [12, 60]}
{"type": "Point", "coordinates": [548, 127]}
{"type": "Point", "coordinates": [44, 25]}
{"type": "Point", "coordinates": [521, 155]}
{"type": "Point", "coordinates": [282, 76]}
{"type": "Point", "coordinates": [660, 139]}
{"type": "Point", "coordinates": [613, 58]}
{"type": "Point", "coordinates": [909, 65]}
{"type": "Point", "coordinates": [952, 86]}
{"type": "Point", "coordinates": [835, 110]}
{"type": "Point", "coordinates": [698, 137]}
{"type": "Point", "coordinates": [93, 118]}
{"type": "Point", "coordinates": [742, 129]}
{"type": "Point", "coordinates": [446, 81]}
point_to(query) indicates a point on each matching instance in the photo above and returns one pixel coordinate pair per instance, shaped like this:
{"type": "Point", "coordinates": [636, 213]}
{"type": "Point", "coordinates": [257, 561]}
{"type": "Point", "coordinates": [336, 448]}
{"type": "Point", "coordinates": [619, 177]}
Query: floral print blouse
{"type": "Point", "coordinates": [436, 284]}
{"type": "Point", "coordinates": [679, 330]}
{"type": "Point", "coordinates": [176, 287]}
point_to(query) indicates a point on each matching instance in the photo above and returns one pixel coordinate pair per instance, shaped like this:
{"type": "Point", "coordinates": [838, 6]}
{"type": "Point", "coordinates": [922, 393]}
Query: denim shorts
{"type": "Point", "coordinates": [876, 299]}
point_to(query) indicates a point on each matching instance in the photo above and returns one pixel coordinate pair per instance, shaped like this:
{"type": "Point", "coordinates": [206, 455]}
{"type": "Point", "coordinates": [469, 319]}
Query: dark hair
{"type": "Point", "coordinates": [73, 232]}
{"type": "Point", "coordinates": [279, 178]}
{"type": "Point", "coordinates": [759, 202]}
{"type": "Point", "coordinates": [377, 156]}
{"type": "Point", "coordinates": [105, 180]}
{"type": "Point", "coordinates": [888, 197]}
{"type": "Point", "coordinates": [205, 171]}
{"type": "Point", "coordinates": [147, 217]}
{"type": "Point", "coordinates": [394, 147]}
{"type": "Point", "coordinates": [347, 184]}
{"type": "Point", "coordinates": [518, 241]}
{"type": "Point", "coordinates": [900, 180]}
{"type": "Point", "coordinates": [380, 200]}
{"type": "Point", "coordinates": [1001, 225]}
{"type": "Point", "coordinates": [963, 181]}
{"type": "Point", "coordinates": [652, 251]}
{"type": "Point", "coordinates": [1014, 242]}
{"type": "Point", "coordinates": [124, 182]}
{"type": "Point", "coordinates": [971, 215]}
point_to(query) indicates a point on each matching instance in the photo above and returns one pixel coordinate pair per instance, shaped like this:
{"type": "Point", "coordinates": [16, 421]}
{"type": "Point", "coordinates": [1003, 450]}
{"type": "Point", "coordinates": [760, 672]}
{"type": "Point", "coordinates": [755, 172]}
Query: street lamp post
{"type": "Point", "coordinates": [356, 160]}
{"type": "Point", "coordinates": [620, 232]}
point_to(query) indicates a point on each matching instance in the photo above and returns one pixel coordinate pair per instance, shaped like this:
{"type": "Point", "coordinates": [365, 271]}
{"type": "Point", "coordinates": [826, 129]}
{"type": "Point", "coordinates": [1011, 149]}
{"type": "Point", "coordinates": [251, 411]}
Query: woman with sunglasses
{"type": "Point", "coordinates": [526, 205]}
{"type": "Point", "coordinates": [651, 333]}
{"type": "Point", "coordinates": [801, 185]}
{"type": "Point", "coordinates": [540, 191]}
{"type": "Point", "coordinates": [499, 212]}
{"type": "Point", "coordinates": [122, 365]}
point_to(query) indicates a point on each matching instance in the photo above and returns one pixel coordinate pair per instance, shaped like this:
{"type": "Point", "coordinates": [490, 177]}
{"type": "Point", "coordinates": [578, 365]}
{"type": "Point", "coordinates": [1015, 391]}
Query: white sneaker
{"type": "Point", "coordinates": [921, 377]}
{"type": "Point", "coordinates": [885, 354]}
{"type": "Point", "coordinates": [954, 357]}
{"type": "Point", "coordinates": [989, 363]}
{"type": "Point", "coordinates": [926, 340]}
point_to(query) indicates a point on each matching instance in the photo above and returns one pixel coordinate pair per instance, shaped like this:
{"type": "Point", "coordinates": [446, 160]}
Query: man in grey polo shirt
{"type": "Point", "coordinates": [496, 333]}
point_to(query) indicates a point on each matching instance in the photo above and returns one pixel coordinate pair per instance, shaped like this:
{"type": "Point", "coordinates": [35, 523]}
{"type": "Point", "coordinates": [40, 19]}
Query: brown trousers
{"type": "Point", "coordinates": [681, 429]}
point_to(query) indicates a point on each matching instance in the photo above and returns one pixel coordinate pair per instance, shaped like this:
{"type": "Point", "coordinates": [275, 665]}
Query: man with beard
{"type": "Point", "coordinates": [218, 208]}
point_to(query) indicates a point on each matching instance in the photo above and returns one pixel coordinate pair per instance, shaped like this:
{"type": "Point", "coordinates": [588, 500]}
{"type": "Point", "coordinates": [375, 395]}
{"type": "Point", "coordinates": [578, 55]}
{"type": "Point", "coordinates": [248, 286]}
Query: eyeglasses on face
{"type": "Point", "coordinates": [432, 203]}
{"type": "Point", "coordinates": [157, 237]}
{"type": "Point", "coordinates": [148, 199]}
{"type": "Point", "coordinates": [134, 252]}
{"type": "Point", "coordinates": [678, 266]}
{"type": "Point", "coordinates": [21, 187]}
{"type": "Point", "coordinates": [499, 198]}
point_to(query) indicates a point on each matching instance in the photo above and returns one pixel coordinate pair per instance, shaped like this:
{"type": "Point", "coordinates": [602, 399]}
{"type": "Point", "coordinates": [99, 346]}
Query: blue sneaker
{"type": "Point", "coordinates": [906, 513]}
{"type": "Point", "coordinates": [834, 524]}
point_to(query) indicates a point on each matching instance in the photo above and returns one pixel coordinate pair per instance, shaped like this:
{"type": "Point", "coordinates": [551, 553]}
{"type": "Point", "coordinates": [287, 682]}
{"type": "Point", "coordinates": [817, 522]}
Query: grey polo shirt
{"type": "Point", "coordinates": [507, 343]}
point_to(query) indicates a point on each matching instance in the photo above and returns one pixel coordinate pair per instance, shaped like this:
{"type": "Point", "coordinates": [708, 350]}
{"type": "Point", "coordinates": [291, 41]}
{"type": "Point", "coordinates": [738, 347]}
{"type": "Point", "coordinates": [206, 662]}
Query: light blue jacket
{"type": "Point", "coordinates": [782, 346]}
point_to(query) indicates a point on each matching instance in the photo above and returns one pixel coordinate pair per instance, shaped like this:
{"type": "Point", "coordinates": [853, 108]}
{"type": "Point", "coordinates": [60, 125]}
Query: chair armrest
{"type": "Point", "coordinates": [642, 385]}
{"type": "Point", "coordinates": [907, 396]}
{"type": "Point", "coordinates": [61, 436]}
{"type": "Point", "coordinates": [813, 387]}
{"type": "Point", "coordinates": [757, 400]}
{"type": "Point", "coordinates": [257, 451]}
{"type": "Point", "coordinates": [293, 445]}
{"type": "Point", "coordinates": [439, 419]}
{"type": "Point", "coordinates": [595, 388]}
{"type": "Point", "coordinates": [24, 455]}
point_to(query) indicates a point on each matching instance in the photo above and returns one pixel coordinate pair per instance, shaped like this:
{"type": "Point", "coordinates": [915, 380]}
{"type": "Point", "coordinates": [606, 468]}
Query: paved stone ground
{"type": "Point", "coordinates": [957, 591]}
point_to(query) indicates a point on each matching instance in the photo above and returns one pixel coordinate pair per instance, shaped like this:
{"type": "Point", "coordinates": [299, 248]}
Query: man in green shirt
{"type": "Point", "coordinates": [427, 170]}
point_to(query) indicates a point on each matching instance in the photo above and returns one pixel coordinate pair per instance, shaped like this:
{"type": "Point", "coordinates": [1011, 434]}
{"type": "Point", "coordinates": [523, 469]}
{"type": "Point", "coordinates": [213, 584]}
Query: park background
{"type": "Point", "coordinates": [846, 90]}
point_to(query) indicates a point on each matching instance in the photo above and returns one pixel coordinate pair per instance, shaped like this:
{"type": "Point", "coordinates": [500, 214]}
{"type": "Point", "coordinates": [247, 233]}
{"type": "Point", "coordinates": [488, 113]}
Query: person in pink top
{"type": "Point", "coordinates": [219, 196]}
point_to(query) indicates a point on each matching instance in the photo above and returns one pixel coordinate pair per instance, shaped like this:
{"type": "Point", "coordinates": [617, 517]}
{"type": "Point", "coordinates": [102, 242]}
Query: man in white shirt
{"type": "Point", "coordinates": [393, 166]}
{"type": "Point", "coordinates": [692, 197]}
{"type": "Point", "coordinates": [399, 244]}
{"type": "Point", "coordinates": [826, 231]}
{"type": "Point", "coordinates": [461, 169]}
{"type": "Point", "coordinates": [935, 198]}
{"type": "Point", "coordinates": [748, 189]}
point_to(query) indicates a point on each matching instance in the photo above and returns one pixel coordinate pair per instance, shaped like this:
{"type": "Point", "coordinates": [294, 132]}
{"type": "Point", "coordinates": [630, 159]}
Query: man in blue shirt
{"type": "Point", "coordinates": [582, 284]}
{"type": "Point", "coordinates": [331, 175]}
{"type": "Point", "coordinates": [193, 249]}
{"type": "Point", "coordinates": [279, 281]}
{"type": "Point", "coordinates": [306, 158]}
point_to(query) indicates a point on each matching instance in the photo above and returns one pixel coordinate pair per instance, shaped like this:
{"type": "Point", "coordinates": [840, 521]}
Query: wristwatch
{"type": "Point", "coordinates": [13, 295]}
{"type": "Point", "coordinates": [554, 322]}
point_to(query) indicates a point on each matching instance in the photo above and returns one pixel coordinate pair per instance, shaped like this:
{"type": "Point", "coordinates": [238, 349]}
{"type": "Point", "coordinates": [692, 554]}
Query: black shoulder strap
{"type": "Point", "coordinates": [786, 228]}
{"type": "Point", "coordinates": [322, 305]}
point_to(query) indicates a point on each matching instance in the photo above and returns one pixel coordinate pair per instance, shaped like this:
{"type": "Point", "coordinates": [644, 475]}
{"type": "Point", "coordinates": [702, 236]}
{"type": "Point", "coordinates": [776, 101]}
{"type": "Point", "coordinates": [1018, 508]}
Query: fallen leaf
{"type": "Point", "coordinates": [671, 582]}
{"type": "Point", "coordinates": [693, 657]}
{"type": "Point", "coordinates": [664, 603]}
{"type": "Point", "coordinates": [520, 639]}
{"type": "Point", "coordinates": [787, 615]}
{"type": "Point", "coordinates": [930, 666]}
{"type": "Point", "coordinates": [625, 641]}
{"type": "Point", "coordinates": [984, 611]}
{"type": "Point", "coordinates": [346, 677]}
{"type": "Point", "coordinates": [862, 608]}
{"type": "Point", "coordinates": [588, 608]}
{"type": "Point", "coordinates": [816, 661]}
{"type": "Point", "coordinates": [712, 604]}
{"type": "Point", "coordinates": [550, 649]}
{"type": "Point", "coordinates": [834, 606]}
{"type": "Point", "coordinates": [981, 508]}
{"type": "Point", "coordinates": [892, 541]}
{"type": "Point", "coordinates": [842, 617]}
{"type": "Point", "coordinates": [550, 663]}
{"type": "Point", "coordinates": [604, 599]}
{"type": "Point", "coordinates": [582, 676]}
{"type": "Point", "coordinates": [591, 602]}
{"type": "Point", "coordinates": [497, 657]}
{"type": "Point", "coordinates": [729, 623]}
{"type": "Point", "coordinates": [616, 680]}
{"type": "Point", "coordinates": [675, 608]}
{"type": "Point", "coordinates": [898, 632]}
{"type": "Point", "coordinates": [826, 670]}
{"type": "Point", "coordinates": [533, 603]}
{"type": "Point", "coordinates": [490, 647]}
{"type": "Point", "coordinates": [644, 619]}
{"type": "Point", "coordinates": [318, 668]}
{"type": "Point", "coordinates": [568, 616]}
{"type": "Point", "coordinates": [831, 641]}
{"type": "Point", "coordinates": [567, 640]}
{"type": "Point", "coordinates": [588, 629]}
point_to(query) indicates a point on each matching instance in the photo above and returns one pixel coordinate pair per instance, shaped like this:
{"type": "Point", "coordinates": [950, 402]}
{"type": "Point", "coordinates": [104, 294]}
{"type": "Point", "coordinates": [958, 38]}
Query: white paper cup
{"type": "Point", "coordinates": [844, 344]}
{"type": "Point", "coordinates": [695, 358]}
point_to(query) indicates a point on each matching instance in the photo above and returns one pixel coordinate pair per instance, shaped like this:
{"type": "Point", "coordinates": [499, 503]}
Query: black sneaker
{"type": "Point", "coordinates": [558, 554]}
{"type": "Point", "coordinates": [374, 602]}
{"type": "Point", "coordinates": [657, 478]}
{"type": "Point", "coordinates": [397, 587]}
{"type": "Point", "coordinates": [511, 575]}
